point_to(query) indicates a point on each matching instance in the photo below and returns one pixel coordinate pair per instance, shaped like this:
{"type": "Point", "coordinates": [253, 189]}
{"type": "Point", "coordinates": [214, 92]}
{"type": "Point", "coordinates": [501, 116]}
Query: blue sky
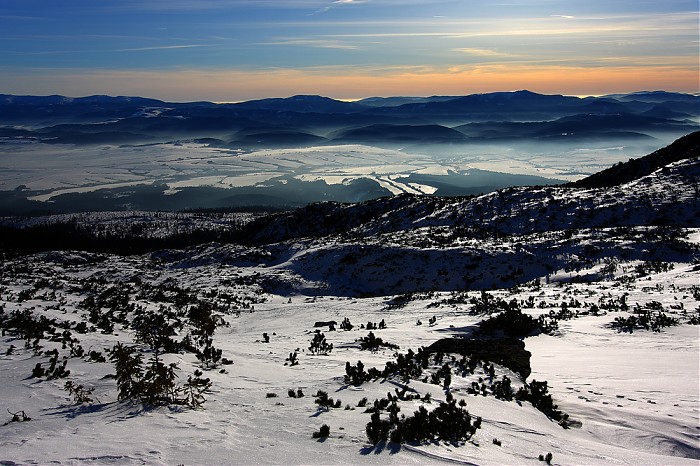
{"type": "Point", "coordinates": [229, 50]}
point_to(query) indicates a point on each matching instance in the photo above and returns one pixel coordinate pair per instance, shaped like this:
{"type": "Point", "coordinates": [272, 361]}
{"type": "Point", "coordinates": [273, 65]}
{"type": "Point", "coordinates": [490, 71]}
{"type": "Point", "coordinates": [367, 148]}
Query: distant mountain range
{"type": "Point", "coordinates": [309, 119]}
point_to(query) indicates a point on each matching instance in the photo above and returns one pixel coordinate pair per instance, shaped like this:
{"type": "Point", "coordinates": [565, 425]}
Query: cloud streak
{"type": "Point", "coordinates": [314, 43]}
{"type": "Point", "coordinates": [384, 40]}
{"type": "Point", "coordinates": [481, 52]}
{"type": "Point", "coordinates": [165, 47]}
{"type": "Point", "coordinates": [337, 3]}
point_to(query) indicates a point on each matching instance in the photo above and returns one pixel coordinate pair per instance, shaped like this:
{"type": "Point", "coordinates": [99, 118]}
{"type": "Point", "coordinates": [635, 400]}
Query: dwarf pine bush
{"type": "Point", "coordinates": [324, 402]}
{"type": "Point", "coordinates": [537, 393]}
{"type": "Point", "coordinates": [319, 345]}
{"type": "Point", "coordinates": [372, 343]}
{"type": "Point", "coordinates": [323, 432]}
{"type": "Point", "coordinates": [155, 383]}
{"type": "Point", "coordinates": [79, 393]}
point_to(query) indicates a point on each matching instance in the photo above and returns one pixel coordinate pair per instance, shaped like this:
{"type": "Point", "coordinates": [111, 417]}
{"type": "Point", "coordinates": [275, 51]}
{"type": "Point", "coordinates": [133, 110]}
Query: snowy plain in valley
{"type": "Point", "coordinates": [56, 169]}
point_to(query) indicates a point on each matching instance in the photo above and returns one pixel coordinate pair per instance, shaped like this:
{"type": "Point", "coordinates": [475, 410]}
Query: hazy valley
{"type": "Point", "coordinates": [553, 324]}
{"type": "Point", "coordinates": [119, 153]}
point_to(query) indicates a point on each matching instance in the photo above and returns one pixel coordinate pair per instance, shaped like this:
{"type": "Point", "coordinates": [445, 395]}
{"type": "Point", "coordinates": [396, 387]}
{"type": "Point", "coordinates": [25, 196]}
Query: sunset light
{"type": "Point", "coordinates": [223, 50]}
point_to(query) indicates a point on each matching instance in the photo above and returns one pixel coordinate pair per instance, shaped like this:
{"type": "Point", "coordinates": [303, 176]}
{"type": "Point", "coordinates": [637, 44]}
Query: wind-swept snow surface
{"type": "Point", "coordinates": [632, 398]}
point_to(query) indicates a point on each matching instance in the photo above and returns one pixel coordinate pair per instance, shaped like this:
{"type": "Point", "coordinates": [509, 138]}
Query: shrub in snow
{"type": "Point", "coordinates": [449, 421]}
{"type": "Point", "coordinates": [537, 393]}
{"type": "Point", "coordinates": [192, 392]}
{"type": "Point", "coordinates": [511, 322]}
{"type": "Point", "coordinates": [319, 345]}
{"type": "Point", "coordinates": [408, 366]}
{"type": "Point", "coordinates": [204, 323]}
{"type": "Point", "coordinates": [346, 325]}
{"type": "Point", "coordinates": [443, 374]}
{"type": "Point", "coordinates": [158, 383]}
{"type": "Point", "coordinates": [295, 393]}
{"type": "Point", "coordinates": [502, 389]}
{"type": "Point", "coordinates": [548, 325]}
{"type": "Point", "coordinates": [129, 371]}
{"type": "Point", "coordinates": [355, 375]}
{"type": "Point", "coordinates": [81, 327]}
{"type": "Point", "coordinates": [19, 416]}
{"type": "Point", "coordinates": [79, 393]}
{"type": "Point", "coordinates": [377, 429]}
{"type": "Point", "coordinates": [38, 371]}
{"type": "Point", "coordinates": [55, 370]}
{"type": "Point", "coordinates": [323, 432]}
{"type": "Point", "coordinates": [154, 330]}
{"type": "Point", "coordinates": [292, 359]}
{"type": "Point", "coordinates": [325, 402]}
{"type": "Point", "coordinates": [25, 325]}
{"type": "Point", "coordinates": [372, 343]}
{"type": "Point", "coordinates": [96, 356]}
{"type": "Point", "coordinates": [154, 384]}
{"type": "Point", "coordinates": [648, 318]}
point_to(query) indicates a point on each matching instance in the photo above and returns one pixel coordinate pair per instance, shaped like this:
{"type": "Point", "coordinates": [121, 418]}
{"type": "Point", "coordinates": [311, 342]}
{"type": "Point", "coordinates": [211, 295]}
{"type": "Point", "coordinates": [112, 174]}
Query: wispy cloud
{"type": "Point", "coordinates": [481, 52]}
{"type": "Point", "coordinates": [44, 52]}
{"type": "Point", "coordinates": [315, 43]}
{"type": "Point", "coordinates": [23, 18]}
{"type": "Point", "coordinates": [209, 5]}
{"type": "Point", "coordinates": [337, 3]}
{"type": "Point", "coordinates": [165, 47]}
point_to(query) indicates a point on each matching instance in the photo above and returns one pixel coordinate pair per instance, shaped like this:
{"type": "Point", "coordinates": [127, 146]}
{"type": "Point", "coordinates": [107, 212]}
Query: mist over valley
{"type": "Point", "coordinates": [64, 154]}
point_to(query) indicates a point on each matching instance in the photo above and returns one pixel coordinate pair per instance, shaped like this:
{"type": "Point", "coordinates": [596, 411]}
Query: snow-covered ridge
{"type": "Point", "coordinates": [668, 196]}
{"type": "Point", "coordinates": [610, 276]}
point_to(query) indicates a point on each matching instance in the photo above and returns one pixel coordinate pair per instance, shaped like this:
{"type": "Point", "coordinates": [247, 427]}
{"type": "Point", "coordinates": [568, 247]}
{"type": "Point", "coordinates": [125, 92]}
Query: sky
{"type": "Point", "coordinates": [235, 50]}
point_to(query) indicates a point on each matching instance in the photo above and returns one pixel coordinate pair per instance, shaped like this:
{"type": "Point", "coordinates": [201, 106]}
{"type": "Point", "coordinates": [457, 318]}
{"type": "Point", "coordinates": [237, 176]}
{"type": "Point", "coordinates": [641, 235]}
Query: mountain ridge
{"type": "Point", "coordinates": [538, 208]}
{"type": "Point", "coordinates": [686, 147]}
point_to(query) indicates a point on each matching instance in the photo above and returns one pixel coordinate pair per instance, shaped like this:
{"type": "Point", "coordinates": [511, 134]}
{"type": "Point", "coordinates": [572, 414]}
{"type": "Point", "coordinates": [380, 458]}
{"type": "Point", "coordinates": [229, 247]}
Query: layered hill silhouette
{"type": "Point", "coordinates": [309, 119]}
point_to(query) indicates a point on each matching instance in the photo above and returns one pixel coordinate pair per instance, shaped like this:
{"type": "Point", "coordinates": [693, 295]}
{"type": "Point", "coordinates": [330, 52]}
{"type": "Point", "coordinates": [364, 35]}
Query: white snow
{"type": "Point", "coordinates": [635, 395]}
{"type": "Point", "coordinates": [60, 169]}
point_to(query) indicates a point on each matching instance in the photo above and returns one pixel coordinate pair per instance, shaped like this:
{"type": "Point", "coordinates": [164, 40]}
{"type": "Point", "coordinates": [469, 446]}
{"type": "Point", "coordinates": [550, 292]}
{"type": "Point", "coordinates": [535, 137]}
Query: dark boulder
{"type": "Point", "coordinates": [325, 324]}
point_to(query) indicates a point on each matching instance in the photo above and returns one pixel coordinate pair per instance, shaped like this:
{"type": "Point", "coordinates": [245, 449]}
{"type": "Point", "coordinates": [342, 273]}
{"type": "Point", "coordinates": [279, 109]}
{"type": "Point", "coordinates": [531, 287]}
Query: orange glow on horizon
{"type": "Point", "coordinates": [352, 84]}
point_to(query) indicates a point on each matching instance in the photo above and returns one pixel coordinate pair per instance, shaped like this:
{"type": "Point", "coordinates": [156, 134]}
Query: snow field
{"type": "Point", "coordinates": [635, 395]}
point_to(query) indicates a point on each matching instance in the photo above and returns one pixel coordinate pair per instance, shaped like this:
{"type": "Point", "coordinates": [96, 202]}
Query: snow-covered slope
{"type": "Point", "coordinates": [632, 397]}
{"type": "Point", "coordinates": [605, 282]}
{"type": "Point", "coordinates": [409, 243]}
